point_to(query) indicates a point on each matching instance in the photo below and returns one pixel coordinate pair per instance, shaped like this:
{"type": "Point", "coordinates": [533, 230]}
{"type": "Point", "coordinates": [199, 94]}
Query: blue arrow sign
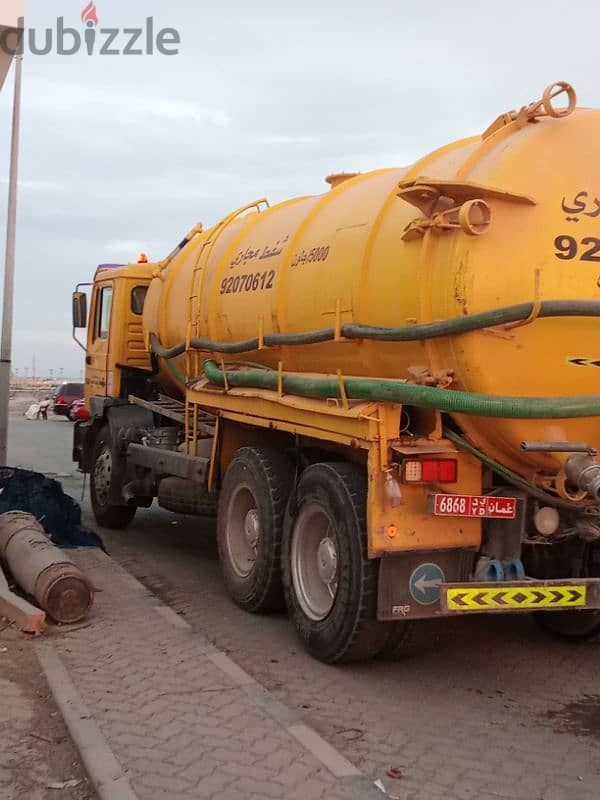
{"type": "Point", "coordinates": [425, 583]}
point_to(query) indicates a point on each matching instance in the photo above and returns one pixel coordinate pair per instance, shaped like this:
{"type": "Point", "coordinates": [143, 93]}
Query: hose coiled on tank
{"type": "Point", "coordinates": [377, 389]}
{"type": "Point", "coordinates": [407, 333]}
{"type": "Point", "coordinates": [409, 394]}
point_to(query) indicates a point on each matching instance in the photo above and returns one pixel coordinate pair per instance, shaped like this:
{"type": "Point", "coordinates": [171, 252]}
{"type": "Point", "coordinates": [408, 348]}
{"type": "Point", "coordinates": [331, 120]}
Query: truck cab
{"type": "Point", "coordinates": [118, 363]}
{"type": "Point", "coordinates": [117, 360]}
{"type": "Point", "coordinates": [132, 444]}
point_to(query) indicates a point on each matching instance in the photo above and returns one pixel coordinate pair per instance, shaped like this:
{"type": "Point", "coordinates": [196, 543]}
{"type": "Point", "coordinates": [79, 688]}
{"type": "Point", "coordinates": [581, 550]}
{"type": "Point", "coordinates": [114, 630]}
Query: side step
{"type": "Point", "coordinates": [175, 410]}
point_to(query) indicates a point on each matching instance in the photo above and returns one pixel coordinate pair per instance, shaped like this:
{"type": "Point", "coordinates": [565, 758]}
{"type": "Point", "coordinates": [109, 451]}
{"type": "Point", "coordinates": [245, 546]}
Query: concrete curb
{"type": "Point", "coordinates": [102, 767]}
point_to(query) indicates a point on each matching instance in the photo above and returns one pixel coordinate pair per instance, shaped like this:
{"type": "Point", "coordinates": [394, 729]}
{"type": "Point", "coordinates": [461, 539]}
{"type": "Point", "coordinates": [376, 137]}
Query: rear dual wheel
{"type": "Point", "coordinates": [574, 626]}
{"type": "Point", "coordinates": [330, 585]}
{"type": "Point", "coordinates": [318, 550]}
{"type": "Point", "coordinates": [252, 505]}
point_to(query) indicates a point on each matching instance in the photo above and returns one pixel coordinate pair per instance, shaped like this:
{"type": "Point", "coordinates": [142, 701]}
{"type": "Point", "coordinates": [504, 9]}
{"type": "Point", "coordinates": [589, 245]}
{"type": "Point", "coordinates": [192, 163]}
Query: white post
{"type": "Point", "coordinates": [9, 269]}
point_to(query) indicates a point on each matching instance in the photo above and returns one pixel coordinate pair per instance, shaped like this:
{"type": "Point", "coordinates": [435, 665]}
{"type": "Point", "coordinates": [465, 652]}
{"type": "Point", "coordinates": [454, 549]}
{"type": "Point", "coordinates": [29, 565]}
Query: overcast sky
{"type": "Point", "coordinates": [122, 154]}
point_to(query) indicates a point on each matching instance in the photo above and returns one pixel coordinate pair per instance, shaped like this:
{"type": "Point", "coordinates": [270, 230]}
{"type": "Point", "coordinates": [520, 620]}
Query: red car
{"type": "Point", "coordinates": [65, 396]}
{"type": "Point", "coordinates": [78, 411]}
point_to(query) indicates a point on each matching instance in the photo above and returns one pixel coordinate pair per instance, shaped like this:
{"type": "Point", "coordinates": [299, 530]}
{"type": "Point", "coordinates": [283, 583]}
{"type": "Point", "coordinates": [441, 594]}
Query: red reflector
{"type": "Point", "coordinates": [448, 471]}
{"type": "Point", "coordinates": [432, 470]}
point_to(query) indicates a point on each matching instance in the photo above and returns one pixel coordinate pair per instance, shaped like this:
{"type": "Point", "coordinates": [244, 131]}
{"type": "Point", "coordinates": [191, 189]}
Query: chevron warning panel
{"type": "Point", "coordinates": [511, 597]}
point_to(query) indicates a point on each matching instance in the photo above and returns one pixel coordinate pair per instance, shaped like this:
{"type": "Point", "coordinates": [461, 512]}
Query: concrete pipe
{"type": "Point", "coordinates": [42, 570]}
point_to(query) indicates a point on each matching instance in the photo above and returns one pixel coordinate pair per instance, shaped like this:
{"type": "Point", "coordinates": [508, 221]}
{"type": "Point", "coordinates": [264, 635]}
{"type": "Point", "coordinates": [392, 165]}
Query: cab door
{"type": "Point", "coordinates": [97, 383]}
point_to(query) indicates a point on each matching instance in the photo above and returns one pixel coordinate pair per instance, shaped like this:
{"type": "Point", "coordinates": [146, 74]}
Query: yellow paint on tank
{"type": "Point", "coordinates": [342, 256]}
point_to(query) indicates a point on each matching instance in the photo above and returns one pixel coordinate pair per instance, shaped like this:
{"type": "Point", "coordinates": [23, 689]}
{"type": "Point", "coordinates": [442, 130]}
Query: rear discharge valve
{"type": "Point", "coordinates": [584, 471]}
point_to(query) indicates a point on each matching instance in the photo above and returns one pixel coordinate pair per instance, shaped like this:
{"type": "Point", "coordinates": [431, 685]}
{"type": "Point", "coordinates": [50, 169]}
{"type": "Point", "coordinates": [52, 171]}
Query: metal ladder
{"type": "Point", "coordinates": [193, 414]}
{"type": "Point", "coordinates": [192, 361]}
{"type": "Point", "coordinates": [177, 411]}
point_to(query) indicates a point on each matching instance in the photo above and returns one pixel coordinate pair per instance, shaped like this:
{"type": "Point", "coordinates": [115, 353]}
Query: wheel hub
{"type": "Point", "coordinates": [327, 560]}
{"type": "Point", "coordinates": [252, 528]}
{"type": "Point", "coordinates": [315, 561]}
{"type": "Point", "coordinates": [102, 476]}
{"type": "Point", "coordinates": [243, 530]}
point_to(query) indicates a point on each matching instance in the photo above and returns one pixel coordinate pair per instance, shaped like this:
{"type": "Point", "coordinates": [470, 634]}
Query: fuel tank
{"type": "Point", "coordinates": [506, 217]}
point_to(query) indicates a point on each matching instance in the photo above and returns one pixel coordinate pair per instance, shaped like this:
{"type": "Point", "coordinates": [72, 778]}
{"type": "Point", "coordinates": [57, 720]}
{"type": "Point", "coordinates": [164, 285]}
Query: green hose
{"type": "Point", "coordinates": [380, 390]}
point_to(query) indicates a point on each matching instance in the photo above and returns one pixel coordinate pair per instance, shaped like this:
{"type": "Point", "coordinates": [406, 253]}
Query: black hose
{"type": "Point", "coordinates": [408, 333]}
{"type": "Point", "coordinates": [473, 322]}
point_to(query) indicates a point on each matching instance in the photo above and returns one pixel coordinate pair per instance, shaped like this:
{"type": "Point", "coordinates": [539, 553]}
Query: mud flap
{"type": "Point", "coordinates": [409, 583]}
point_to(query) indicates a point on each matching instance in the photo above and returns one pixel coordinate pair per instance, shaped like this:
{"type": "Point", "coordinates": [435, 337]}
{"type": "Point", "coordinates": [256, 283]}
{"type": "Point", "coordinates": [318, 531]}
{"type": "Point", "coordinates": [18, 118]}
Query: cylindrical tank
{"type": "Point", "coordinates": [351, 255]}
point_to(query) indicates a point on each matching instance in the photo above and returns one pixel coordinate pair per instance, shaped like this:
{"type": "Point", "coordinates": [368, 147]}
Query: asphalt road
{"type": "Point", "coordinates": [497, 710]}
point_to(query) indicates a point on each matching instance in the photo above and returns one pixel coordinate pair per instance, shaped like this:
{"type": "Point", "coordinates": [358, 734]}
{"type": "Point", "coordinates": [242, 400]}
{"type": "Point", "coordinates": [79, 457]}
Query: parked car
{"type": "Point", "coordinates": [65, 396]}
{"type": "Point", "coordinates": [78, 412]}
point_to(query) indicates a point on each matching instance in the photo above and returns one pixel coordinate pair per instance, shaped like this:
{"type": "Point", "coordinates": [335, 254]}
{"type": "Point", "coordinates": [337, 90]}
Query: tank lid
{"type": "Point", "coordinates": [336, 178]}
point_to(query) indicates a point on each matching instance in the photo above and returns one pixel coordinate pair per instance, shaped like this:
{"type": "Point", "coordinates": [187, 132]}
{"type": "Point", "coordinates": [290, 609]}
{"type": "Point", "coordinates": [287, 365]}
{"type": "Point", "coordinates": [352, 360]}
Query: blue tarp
{"type": "Point", "coordinates": [60, 515]}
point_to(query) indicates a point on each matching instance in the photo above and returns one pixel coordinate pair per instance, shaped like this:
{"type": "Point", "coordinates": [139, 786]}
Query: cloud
{"type": "Point", "coordinates": [36, 185]}
{"type": "Point", "coordinates": [289, 139]}
{"type": "Point", "coordinates": [128, 249]}
{"type": "Point", "coordinates": [181, 111]}
{"type": "Point", "coordinates": [120, 155]}
{"type": "Point", "coordinates": [46, 97]}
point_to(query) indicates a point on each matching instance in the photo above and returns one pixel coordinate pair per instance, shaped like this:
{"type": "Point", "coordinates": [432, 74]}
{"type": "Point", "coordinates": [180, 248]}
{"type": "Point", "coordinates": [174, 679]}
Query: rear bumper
{"type": "Point", "coordinates": [426, 585]}
{"type": "Point", "coordinates": [575, 594]}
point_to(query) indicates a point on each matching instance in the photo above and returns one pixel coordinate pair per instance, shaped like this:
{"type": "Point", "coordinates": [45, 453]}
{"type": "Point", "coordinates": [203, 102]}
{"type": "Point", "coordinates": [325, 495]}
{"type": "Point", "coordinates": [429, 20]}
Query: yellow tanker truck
{"type": "Point", "coordinates": [388, 393]}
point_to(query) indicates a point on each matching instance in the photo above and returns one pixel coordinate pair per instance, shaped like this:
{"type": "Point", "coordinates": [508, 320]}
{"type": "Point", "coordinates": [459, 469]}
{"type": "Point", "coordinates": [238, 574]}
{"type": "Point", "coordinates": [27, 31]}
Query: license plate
{"type": "Point", "coordinates": [465, 505]}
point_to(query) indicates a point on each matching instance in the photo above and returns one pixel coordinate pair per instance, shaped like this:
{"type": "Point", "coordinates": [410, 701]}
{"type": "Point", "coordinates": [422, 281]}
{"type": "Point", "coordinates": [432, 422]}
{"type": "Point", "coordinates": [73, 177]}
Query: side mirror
{"type": "Point", "coordinates": [79, 310]}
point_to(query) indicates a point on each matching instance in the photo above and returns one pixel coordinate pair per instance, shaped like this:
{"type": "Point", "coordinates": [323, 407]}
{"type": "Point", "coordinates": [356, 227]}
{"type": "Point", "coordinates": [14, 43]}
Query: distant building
{"type": "Point", "coordinates": [10, 13]}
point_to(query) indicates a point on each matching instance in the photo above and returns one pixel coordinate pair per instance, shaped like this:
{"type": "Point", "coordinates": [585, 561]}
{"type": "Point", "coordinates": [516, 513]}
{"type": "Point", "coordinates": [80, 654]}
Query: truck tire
{"type": "Point", "coordinates": [107, 514]}
{"type": "Point", "coordinates": [582, 626]}
{"type": "Point", "coordinates": [412, 638]}
{"type": "Point", "coordinates": [330, 585]}
{"type": "Point", "coordinates": [252, 505]}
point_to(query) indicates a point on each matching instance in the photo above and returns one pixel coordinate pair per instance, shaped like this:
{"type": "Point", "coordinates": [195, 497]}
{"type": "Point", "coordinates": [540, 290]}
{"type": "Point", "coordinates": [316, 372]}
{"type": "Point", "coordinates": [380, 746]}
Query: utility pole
{"type": "Point", "coordinates": [9, 269]}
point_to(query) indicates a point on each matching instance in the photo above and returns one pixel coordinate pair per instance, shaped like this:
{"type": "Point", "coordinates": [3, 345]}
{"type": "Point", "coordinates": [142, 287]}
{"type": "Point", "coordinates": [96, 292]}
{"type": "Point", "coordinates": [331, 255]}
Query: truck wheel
{"type": "Point", "coordinates": [106, 513]}
{"type": "Point", "coordinates": [571, 625]}
{"type": "Point", "coordinates": [252, 505]}
{"type": "Point", "coordinates": [330, 585]}
{"type": "Point", "coordinates": [412, 638]}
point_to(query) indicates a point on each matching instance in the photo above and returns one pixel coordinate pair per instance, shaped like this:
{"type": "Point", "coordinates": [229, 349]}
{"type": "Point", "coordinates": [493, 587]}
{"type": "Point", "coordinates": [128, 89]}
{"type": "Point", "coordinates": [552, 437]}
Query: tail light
{"type": "Point", "coordinates": [60, 400]}
{"type": "Point", "coordinates": [430, 470]}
